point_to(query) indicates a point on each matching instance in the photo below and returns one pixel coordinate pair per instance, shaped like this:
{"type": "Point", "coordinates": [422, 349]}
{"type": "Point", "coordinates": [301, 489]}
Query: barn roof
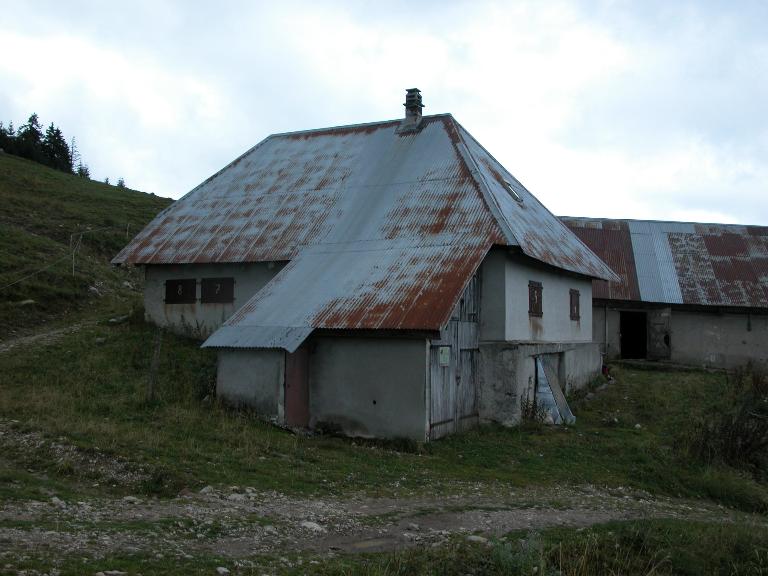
{"type": "Point", "coordinates": [679, 262]}
{"type": "Point", "coordinates": [383, 228]}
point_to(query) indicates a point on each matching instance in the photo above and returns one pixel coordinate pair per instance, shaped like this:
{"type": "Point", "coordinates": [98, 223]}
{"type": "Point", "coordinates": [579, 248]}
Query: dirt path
{"type": "Point", "coordinates": [41, 338]}
{"type": "Point", "coordinates": [241, 523]}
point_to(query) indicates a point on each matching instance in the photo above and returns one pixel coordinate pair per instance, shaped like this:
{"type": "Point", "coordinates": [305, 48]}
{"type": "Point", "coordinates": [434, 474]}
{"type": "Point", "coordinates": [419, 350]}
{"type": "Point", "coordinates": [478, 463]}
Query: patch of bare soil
{"type": "Point", "coordinates": [40, 338]}
{"type": "Point", "coordinates": [98, 467]}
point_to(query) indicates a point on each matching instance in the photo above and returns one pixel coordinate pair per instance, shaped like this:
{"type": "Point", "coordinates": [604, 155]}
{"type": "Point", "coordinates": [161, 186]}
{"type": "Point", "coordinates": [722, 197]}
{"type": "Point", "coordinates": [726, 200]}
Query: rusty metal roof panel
{"type": "Point", "coordinates": [613, 244]}
{"type": "Point", "coordinates": [686, 263]}
{"type": "Point", "coordinates": [385, 285]}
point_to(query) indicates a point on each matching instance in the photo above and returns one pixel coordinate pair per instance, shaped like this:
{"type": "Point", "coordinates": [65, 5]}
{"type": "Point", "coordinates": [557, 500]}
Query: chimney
{"type": "Point", "coordinates": [413, 106]}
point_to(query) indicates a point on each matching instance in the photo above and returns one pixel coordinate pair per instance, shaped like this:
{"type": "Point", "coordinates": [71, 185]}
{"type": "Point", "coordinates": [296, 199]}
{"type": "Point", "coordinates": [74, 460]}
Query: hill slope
{"type": "Point", "coordinates": [45, 217]}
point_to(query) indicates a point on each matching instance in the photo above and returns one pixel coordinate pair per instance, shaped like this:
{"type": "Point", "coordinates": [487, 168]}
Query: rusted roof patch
{"type": "Point", "coordinates": [679, 262]}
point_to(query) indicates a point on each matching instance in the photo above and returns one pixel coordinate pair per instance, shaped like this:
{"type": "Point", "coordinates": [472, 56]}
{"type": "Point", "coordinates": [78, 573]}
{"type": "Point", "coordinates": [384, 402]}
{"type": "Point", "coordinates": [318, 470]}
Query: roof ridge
{"type": "Point", "coordinates": [485, 191]}
{"type": "Point", "coordinates": [343, 127]}
{"type": "Point", "coordinates": [499, 217]}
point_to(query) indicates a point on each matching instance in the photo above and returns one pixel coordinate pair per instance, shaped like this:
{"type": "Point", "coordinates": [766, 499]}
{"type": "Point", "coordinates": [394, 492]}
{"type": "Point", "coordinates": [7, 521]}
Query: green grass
{"type": "Point", "coordinates": [40, 211]}
{"type": "Point", "coordinates": [94, 394]}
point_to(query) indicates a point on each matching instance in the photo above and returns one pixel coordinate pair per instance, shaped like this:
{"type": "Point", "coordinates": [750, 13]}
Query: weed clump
{"type": "Point", "coordinates": [735, 431]}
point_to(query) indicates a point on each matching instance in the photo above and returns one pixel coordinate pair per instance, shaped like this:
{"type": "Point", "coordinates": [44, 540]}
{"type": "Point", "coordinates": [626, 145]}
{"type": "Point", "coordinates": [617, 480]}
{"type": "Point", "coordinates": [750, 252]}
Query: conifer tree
{"type": "Point", "coordinates": [29, 140]}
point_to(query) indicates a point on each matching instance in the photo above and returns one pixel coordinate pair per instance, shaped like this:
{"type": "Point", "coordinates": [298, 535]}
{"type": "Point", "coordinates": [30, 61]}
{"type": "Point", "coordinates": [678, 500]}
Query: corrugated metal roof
{"type": "Point", "coordinates": [384, 285]}
{"type": "Point", "coordinates": [356, 183]}
{"type": "Point", "coordinates": [681, 262]}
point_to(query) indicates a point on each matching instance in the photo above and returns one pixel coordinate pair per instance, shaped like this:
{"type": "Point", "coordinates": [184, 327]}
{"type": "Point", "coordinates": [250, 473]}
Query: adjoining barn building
{"type": "Point", "coordinates": [384, 279]}
{"type": "Point", "coordinates": [690, 293]}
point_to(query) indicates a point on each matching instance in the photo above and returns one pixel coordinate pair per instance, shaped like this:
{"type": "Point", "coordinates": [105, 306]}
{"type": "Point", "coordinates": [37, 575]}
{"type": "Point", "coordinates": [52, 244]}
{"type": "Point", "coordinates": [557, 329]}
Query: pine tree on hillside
{"type": "Point", "coordinates": [121, 182]}
{"type": "Point", "coordinates": [83, 171]}
{"type": "Point", "coordinates": [4, 140]}
{"type": "Point", "coordinates": [74, 157]}
{"type": "Point", "coordinates": [8, 136]}
{"type": "Point", "coordinates": [29, 140]}
{"type": "Point", "coordinates": [56, 150]}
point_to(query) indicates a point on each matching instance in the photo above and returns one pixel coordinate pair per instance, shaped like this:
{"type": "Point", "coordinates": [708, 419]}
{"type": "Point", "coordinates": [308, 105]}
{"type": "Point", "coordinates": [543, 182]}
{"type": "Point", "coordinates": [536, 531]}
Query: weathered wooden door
{"type": "Point", "coordinates": [453, 368]}
{"type": "Point", "coordinates": [297, 388]}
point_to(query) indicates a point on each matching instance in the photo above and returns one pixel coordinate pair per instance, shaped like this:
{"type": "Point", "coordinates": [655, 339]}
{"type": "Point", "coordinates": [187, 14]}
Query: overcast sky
{"type": "Point", "coordinates": [616, 109]}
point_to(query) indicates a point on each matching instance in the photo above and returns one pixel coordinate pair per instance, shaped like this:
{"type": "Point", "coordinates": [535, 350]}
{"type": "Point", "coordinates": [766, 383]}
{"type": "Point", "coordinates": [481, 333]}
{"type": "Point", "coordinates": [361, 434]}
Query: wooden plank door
{"type": "Point", "coordinates": [297, 388]}
{"type": "Point", "coordinates": [453, 387]}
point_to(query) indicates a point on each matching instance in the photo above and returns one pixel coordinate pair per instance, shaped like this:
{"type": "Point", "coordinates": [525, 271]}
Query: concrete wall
{"type": "Point", "coordinates": [719, 340]}
{"type": "Point", "coordinates": [198, 319]}
{"type": "Point", "coordinates": [507, 374]}
{"type": "Point", "coordinates": [605, 320]}
{"type": "Point", "coordinates": [252, 378]}
{"type": "Point", "coordinates": [372, 387]}
{"type": "Point", "coordinates": [698, 338]}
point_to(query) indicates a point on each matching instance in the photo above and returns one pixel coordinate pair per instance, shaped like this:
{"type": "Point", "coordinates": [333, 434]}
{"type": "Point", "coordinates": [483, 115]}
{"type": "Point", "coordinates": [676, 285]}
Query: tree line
{"type": "Point", "coordinates": [47, 147]}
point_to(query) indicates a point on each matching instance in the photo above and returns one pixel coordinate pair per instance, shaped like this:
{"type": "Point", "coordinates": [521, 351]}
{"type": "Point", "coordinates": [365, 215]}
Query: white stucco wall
{"type": "Point", "coordinates": [555, 324]}
{"type": "Point", "coordinates": [504, 301]}
{"type": "Point", "coordinates": [198, 319]}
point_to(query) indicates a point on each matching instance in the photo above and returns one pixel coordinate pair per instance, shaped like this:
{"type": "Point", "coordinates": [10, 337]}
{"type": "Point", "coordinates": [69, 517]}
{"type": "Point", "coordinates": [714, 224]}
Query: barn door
{"type": "Point", "coordinates": [297, 388]}
{"type": "Point", "coordinates": [453, 368]}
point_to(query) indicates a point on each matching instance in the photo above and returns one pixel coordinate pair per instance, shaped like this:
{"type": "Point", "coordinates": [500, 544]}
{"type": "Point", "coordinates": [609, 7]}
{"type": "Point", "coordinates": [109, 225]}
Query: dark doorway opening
{"type": "Point", "coordinates": [633, 328]}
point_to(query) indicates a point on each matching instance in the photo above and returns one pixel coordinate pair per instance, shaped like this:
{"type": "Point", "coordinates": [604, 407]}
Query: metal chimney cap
{"type": "Point", "coordinates": [413, 98]}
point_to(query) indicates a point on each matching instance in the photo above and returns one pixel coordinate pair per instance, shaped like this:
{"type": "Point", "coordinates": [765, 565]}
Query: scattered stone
{"type": "Point", "coordinates": [206, 490]}
{"type": "Point", "coordinates": [58, 502]}
{"type": "Point", "coordinates": [95, 291]}
{"type": "Point", "coordinates": [236, 497]}
{"type": "Point", "coordinates": [477, 539]}
{"type": "Point", "coordinates": [413, 527]}
{"type": "Point", "coordinates": [590, 395]}
{"type": "Point", "coordinates": [100, 340]}
{"type": "Point", "coordinates": [221, 571]}
{"type": "Point", "coordinates": [269, 529]}
{"type": "Point", "coordinates": [637, 426]}
{"type": "Point", "coordinates": [313, 526]}
{"type": "Point", "coordinates": [27, 302]}
{"type": "Point", "coordinates": [118, 319]}
{"type": "Point", "coordinates": [131, 500]}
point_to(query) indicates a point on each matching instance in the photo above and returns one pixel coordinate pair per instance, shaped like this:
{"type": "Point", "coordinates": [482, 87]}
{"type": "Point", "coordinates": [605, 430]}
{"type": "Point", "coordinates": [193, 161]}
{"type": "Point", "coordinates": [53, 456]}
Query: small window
{"type": "Point", "coordinates": [512, 191]}
{"type": "Point", "coordinates": [217, 290]}
{"type": "Point", "coordinates": [534, 299]}
{"type": "Point", "coordinates": [181, 291]}
{"type": "Point", "coordinates": [575, 305]}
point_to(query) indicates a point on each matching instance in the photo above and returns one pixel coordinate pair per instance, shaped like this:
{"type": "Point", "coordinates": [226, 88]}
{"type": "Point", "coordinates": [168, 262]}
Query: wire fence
{"type": "Point", "coordinates": [75, 242]}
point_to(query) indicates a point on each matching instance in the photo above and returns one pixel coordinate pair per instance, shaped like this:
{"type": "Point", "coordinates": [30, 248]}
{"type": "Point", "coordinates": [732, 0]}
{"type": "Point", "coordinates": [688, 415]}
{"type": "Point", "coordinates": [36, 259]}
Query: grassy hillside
{"type": "Point", "coordinates": [45, 215]}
